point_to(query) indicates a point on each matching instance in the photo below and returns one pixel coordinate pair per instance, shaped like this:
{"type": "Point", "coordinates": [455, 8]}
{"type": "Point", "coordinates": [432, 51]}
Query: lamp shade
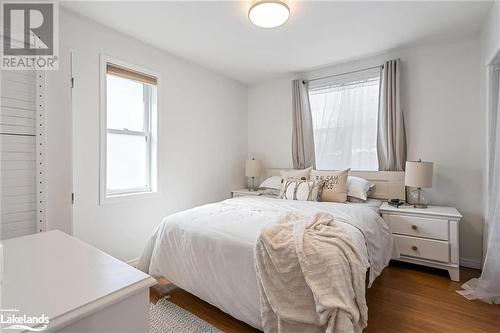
{"type": "Point", "coordinates": [252, 168]}
{"type": "Point", "coordinates": [418, 174]}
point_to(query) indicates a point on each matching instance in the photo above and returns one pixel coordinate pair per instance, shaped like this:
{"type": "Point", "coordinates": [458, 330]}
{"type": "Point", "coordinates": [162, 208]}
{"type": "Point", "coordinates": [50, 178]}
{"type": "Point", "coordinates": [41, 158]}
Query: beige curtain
{"type": "Point", "coordinates": [391, 137]}
{"type": "Point", "coordinates": [302, 135]}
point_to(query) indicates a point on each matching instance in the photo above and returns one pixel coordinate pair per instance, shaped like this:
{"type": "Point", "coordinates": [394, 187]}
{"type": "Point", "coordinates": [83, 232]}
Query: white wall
{"type": "Point", "coordinates": [202, 138]}
{"type": "Point", "coordinates": [270, 122]}
{"type": "Point", "coordinates": [441, 103]}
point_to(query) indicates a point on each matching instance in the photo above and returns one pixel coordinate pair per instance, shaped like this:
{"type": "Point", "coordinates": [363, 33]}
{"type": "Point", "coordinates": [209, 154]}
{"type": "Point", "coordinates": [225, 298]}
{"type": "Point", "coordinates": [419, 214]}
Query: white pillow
{"type": "Point", "coordinates": [273, 182]}
{"type": "Point", "coordinates": [270, 192]}
{"type": "Point", "coordinates": [358, 187]}
{"type": "Point", "coordinates": [355, 200]}
{"type": "Point", "coordinates": [301, 190]}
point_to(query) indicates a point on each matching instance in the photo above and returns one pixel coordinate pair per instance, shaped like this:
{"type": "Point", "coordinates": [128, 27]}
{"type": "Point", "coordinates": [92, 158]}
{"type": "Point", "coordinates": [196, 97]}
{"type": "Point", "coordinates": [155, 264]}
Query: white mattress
{"type": "Point", "coordinates": [209, 250]}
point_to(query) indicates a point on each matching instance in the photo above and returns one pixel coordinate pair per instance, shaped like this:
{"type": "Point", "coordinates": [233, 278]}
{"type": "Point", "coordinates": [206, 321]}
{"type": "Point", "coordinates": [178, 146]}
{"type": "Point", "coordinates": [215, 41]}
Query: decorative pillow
{"type": "Point", "coordinates": [358, 187]}
{"type": "Point", "coordinates": [335, 184]}
{"type": "Point", "coordinates": [301, 190]}
{"type": "Point", "coordinates": [296, 174]}
{"type": "Point", "coordinates": [273, 182]}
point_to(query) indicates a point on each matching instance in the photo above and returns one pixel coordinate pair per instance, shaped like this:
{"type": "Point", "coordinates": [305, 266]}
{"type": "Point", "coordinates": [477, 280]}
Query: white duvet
{"type": "Point", "coordinates": [209, 250]}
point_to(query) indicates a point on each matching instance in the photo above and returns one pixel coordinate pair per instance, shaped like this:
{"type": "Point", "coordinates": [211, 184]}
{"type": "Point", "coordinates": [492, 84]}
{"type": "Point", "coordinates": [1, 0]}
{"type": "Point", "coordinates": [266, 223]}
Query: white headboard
{"type": "Point", "coordinates": [388, 184]}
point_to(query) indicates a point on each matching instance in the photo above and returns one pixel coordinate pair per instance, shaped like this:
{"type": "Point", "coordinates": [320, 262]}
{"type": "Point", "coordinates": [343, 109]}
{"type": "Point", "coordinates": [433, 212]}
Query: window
{"type": "Point", "coordinates": [128, 161]}
{"type": "Point", "coordinates": [344, 111]}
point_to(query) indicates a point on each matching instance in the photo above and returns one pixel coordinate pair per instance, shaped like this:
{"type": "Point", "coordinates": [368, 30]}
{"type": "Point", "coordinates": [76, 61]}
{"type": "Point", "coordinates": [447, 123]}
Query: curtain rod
{"type": "Point", "coordinates": [356, 71]}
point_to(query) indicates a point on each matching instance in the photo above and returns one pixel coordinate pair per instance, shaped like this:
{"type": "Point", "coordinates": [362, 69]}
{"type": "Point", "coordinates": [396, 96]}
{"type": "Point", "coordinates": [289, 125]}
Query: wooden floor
{"type": "Point", "coordinates": [405, 298]}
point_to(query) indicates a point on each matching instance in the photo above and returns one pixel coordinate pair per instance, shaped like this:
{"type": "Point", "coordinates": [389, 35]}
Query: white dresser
{"type": "Point", "coordinates": [427, 236]}
{"type": "Point", "coordinates": [78, 287]}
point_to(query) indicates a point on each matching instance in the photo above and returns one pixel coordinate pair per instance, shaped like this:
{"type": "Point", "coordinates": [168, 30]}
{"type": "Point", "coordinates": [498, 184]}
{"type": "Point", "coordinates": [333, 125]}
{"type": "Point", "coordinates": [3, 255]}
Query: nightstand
{"type": "Point", "coordinates": [245, 192]}
{"type": "Point", "coordinates": [426, 236]}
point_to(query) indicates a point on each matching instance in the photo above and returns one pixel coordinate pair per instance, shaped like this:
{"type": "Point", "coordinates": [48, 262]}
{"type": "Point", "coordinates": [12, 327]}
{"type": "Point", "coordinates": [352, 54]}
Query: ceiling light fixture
{"type": "Point", "coordinates": [268, 13]}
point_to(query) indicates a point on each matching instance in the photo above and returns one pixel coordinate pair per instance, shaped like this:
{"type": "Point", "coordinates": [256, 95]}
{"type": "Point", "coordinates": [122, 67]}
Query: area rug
{"type": "Point", "coordinates": [166, 317]}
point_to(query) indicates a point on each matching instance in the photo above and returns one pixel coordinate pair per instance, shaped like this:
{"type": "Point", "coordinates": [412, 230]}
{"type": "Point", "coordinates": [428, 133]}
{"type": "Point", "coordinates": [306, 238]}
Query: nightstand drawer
{"type": "Point", "coordinates": [423, 248]}
{"type": "Point", "coordinates": [418, 226]}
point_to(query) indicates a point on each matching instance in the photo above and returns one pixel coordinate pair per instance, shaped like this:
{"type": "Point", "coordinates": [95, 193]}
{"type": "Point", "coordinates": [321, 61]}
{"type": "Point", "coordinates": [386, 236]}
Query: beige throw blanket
{"type": "Point", "coordinates": [310, 276]}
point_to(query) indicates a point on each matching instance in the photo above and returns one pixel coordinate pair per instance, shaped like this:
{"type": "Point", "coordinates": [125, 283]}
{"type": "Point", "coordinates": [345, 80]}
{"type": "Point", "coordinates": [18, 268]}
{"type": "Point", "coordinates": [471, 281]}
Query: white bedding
{"type": "Point", "coordinates": [371, 203]}
{"type": "Point", "coordinates": [209, 250]}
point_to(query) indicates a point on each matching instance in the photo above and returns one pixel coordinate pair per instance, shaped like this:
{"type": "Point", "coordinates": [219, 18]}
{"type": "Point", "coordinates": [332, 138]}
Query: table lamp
{"type": "Point", "coordinates": [252, 169]}
{"type": "Point", "coordinates": [418, 174]}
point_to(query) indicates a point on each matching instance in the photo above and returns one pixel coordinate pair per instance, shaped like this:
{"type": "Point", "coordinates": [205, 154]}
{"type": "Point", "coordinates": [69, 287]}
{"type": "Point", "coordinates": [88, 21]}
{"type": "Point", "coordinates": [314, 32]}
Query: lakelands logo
{"type": "Point", "coordinates": [29, 35]}
{"type": "Point", "coordinates": [11, 319]}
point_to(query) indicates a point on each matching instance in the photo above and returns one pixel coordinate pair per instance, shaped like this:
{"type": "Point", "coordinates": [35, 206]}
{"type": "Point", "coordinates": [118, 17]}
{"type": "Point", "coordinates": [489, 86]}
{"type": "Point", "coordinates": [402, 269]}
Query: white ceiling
{"type": "Point", "coordinates": [219, 36]}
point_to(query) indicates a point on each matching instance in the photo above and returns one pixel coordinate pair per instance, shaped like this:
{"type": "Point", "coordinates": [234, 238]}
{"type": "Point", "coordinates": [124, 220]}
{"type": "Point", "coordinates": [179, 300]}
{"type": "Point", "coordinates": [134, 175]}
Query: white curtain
{"type": "Point", "coordinates": [487, 287]}
{"type": "Point", "coordinates": [344, 114]}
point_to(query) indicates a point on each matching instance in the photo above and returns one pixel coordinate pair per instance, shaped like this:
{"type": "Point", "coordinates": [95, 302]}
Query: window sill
{"type": "Point", "coordinates": [125, 197]}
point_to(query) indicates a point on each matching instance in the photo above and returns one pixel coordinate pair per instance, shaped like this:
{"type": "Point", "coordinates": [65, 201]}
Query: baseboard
{"type": "Point", "coordinates": [470, 263]}
{"type": "Point", "coordinates": [133, 262]}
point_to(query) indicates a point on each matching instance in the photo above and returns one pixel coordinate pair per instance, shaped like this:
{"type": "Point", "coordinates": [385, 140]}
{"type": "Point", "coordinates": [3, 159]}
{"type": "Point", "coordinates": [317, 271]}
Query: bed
{"type": "Point", "coordinates": [209, 250]}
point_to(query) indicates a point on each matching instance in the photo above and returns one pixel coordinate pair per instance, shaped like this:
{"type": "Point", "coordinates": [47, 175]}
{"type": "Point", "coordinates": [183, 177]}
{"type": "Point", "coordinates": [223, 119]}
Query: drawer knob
{"type": "Point", "coordinates": [414, 248]}
{"type": "Point", "coordinates": [414, 227]}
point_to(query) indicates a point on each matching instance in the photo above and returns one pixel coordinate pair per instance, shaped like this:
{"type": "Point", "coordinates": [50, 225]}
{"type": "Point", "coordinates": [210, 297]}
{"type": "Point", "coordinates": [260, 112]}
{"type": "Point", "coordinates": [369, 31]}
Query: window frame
{"type": "Point", "coordinates": [346, 79]}
{"type": "Point", "coordinates": [150, 132]}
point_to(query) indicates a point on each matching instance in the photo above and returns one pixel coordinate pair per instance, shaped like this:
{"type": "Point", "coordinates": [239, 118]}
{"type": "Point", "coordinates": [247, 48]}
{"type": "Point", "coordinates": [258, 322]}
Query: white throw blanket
{"type": "Point", "coordinates": [310, 276]}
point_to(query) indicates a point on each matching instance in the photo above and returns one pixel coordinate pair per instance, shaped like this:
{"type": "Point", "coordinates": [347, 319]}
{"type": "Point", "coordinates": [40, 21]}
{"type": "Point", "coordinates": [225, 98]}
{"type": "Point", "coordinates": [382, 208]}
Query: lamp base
{"type": "Point", "coordinates": [418, 199]}
{"type": "Point", "coordinates": [252, 185]}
